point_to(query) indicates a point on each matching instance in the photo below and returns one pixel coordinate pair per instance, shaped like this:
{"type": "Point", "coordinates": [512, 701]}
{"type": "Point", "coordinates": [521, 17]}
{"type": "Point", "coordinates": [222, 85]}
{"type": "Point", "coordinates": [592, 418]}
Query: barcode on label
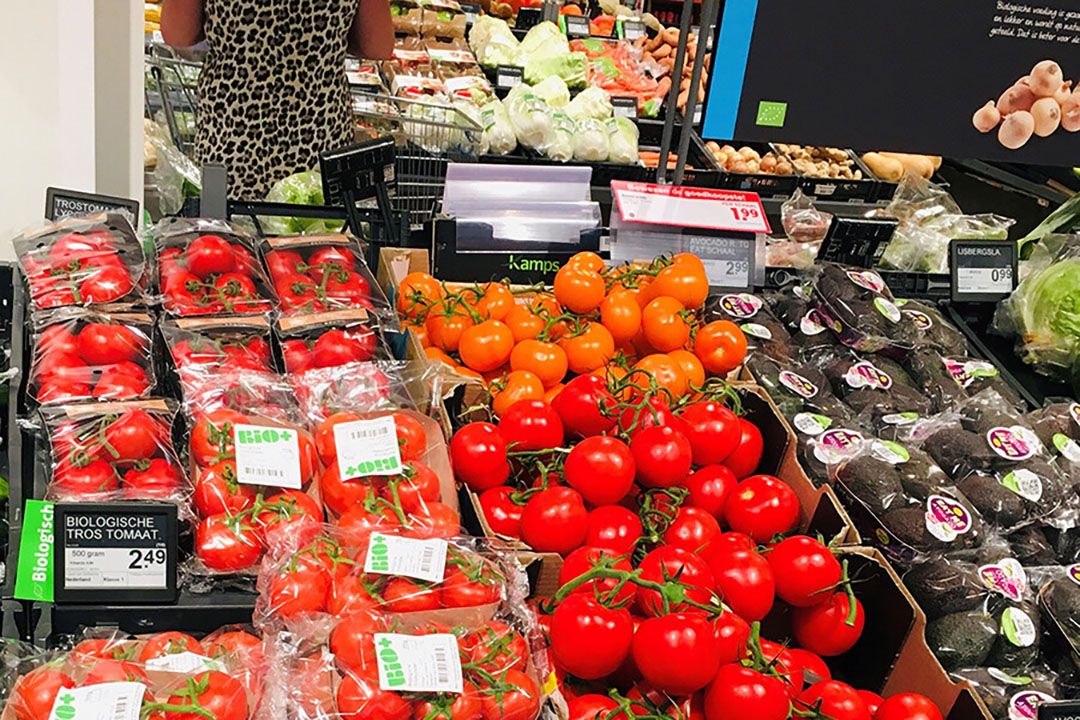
{"type": "Point", "coordinates": [120, 709]}
{"type": "Point", "coordinates": [267, 472]}
{"type": "Point", "coordinates": [442, 665]}
{"type": "Point", "coordinates": [367, 447]}
{"type": "Point", "coordinates": [427, 559]}
{"type": "Point", "coordinates": [369, 432]}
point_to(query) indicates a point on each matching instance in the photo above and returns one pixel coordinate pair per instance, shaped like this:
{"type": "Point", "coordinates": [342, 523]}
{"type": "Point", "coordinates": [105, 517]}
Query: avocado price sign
{"type": "Point", "coordinates": [115, 552]}
{"type": "Point", "coordinates": [965, 78]}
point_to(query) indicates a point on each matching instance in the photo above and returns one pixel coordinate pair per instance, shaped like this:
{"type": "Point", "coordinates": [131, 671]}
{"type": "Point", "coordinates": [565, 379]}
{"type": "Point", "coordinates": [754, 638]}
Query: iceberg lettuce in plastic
{"type": "Point", "coordinates": [561, 148]}
{"type": "Point", "coordinates": [572, 67]}
{"type": "Point", "coordinates": [553, 91]}
{"type": "Point", "coordinates": [591, 142]}
{"type": "Point", "coordinates": [498, 136]}
{"type": "Point", "coordinates": [530, 118]}
{"type": "Point", "coordinates": [623, 136]}
{"type": "Point", "coordinates": [493, 42]}
{"type": "Point", "coordinates": [591, 103]}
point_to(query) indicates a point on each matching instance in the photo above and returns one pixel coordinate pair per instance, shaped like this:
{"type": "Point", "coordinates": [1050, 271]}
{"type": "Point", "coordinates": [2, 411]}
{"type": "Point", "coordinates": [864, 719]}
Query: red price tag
{"type": "Point", "coordinates": [681, 206]}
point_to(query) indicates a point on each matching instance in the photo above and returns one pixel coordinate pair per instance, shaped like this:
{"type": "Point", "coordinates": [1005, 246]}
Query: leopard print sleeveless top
{"type": "Point", "coordinates": [272, 92]}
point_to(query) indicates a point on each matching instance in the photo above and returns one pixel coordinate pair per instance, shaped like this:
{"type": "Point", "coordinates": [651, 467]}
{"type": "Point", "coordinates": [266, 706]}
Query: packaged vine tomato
{"type": "Point", "coordinates": [81, 354]}
{"type": "Point", "coordinates": [202, 347]}
{"type": "Point", "coordinates": [252, 464]}
{"type": "Point", "coordinates": [114, 451]}
{"type": "Point", "coordinates": [329, 339]}
{"type": "Point", "coordinates": [208, 267]}
{"type": "Point", "coordinates": [87, 260]}
{"type": "Point", "coordinates": [315, 273]}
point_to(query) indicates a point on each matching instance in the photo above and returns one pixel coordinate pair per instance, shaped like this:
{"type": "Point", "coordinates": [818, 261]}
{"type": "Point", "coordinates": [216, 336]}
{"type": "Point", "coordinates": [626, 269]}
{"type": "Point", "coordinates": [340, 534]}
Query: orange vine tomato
{"type": "Point", "coordinates": [434, 353]}
{"type": "Point", "coordinates": [588, 349]}
{"type": "Point", "coordinates": [721, 346]}
{"type": "Point", "coordinates": [684, 280]}
{"type": "Point", "coordinates": [486, 346]}
{"type": "Point", "coordinates": [523, 323]}
{"type": "Point", "coordinates": [420, 330]}
{"type": "Point", "coordinates": [497, 301]}
{"type": "Point", "coordinates": [446, 323]}
{"type": "Point", "coordinates": [621, 315]}
{"type": "Point", "coordinates": [417, 293]}
{"type": "Point", "coordinates": [691, 365]}
{"type": "Point", "coordinates": [589, 261]}
{"type": "Point", "coordinates": [579, 290]}
{"type": "Point", "coordinates": [516, 385]}
{"type": "Point", "coordinates": [663, 323]}
{"type": "Point", "coordinates": [665, 370]}
{"type": "Point", "coordinates": [546, 360]}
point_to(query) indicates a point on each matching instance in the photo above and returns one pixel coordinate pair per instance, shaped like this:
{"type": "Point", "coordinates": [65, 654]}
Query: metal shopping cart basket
{"type": "Point", "coordinates": [429, 134]}
{"type": "Point", "coordinates": [171, 96]}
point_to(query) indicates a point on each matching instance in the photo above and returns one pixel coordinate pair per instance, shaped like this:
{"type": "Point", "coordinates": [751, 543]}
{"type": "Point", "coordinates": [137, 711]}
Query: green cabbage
{"type": "Point", "coordinates": [303, 188]}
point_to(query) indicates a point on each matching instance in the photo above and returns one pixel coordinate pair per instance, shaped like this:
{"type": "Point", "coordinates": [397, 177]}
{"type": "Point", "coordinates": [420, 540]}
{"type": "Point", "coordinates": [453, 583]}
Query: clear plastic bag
{"type": "Point", "coordinates": [498, 136]}
{"type": "Point", "coordinates": [81, 354]}
{"type": "Point", "coordinates": [304, 188]}
{"type": "Point", "coordinates": [764, 332]}
{"type": "Point", "coordinates": [208, 267]}
{"type": "Point", "coordinates": [803, 223]}
{"type": "Point", "coordinates": [1011, 693]}
{"type": "Point", "coordinates": [859, 307]}
{"type": "Point", "coordinates": [83, 260]}
{"type": "Point", "coordinates": [329, 339]}
{"type": "Point", "coordinates": [202, 348]}
{"type": "Point", "coordinates": [114, 451]}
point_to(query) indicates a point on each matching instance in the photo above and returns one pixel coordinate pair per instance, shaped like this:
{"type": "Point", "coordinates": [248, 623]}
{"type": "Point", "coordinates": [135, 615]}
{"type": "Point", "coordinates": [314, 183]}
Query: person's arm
{"type": "Point", "coordinates": [372, 32]}
{"type": "Point", "coordinates": [182, 22]}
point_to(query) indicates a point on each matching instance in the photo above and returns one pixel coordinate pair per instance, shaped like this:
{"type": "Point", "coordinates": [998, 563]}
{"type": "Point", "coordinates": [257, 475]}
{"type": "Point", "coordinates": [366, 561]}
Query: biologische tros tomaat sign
{"type": "Point", "coordinates": [990, 79]}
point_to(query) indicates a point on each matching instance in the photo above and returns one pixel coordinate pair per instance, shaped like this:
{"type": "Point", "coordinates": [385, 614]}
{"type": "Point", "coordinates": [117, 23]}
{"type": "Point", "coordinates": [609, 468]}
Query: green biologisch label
{"type": "Point", "coordinates": [34, 576]}
{"type": "Point", "coordinates": [367, 447]}
{"type": "Point", "coordinates": [101, 701]}
{"type": "Point", "coordinates": [771, 114]}
{"type": "Point", "coordinates": [267, 456]}
{"type": "Point", "coordinates": [418, 663]}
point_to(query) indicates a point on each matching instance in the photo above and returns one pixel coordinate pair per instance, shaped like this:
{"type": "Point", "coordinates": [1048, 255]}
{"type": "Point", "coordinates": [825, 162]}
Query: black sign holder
{"type": "Point", "coordinates": [998, 258]}
{"type": "Point", "coordinates": [857, 241]}
{"type": "Point", "coordinates": [138, 537]}
{"type": "Point", "coordinates": [61, 203]}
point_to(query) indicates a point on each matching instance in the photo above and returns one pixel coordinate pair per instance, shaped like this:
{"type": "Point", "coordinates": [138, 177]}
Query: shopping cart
{"type": "Point", "coordinates": [170, 90]}
{"type": "Point", "coordinates": [429, 135]}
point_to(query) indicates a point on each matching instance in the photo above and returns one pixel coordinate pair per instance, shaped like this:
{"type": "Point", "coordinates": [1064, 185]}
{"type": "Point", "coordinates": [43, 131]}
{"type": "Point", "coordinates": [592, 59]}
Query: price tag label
{"type": "Point", "coordinates": [508, 76]}
{"type": "Point", "coordinates": [472, 11]}
{"type": "Point", "coordinates": [857, 241]}
{"type": "Point", "coordinates": [632, 29]}
{"type": "Point", "coordinates": [115, 551]}
{"type": "Point", "coordinates": [527, 17]}
{"type": "Point", "coordinates": [406, 557]}
{"type": "Point", "coordinates": [367, 447]}
{"type": "Point", "coordinates": [682, 206]}
{"type": "Point", "coordinates": [267, 456]}
{"type": "Point", "coordinates": [418, 663]}
{"type": "Point", "coordinates": [624, 107]}
{"type": "Point", "coordinates": [103, 701]}
{"type": "Point", "coordinates": [982, 270]}
{"type": "Point", "coordinates": [577, 26]}
{"type": "Point", "coordinates": [61, 203]}
{"type": "Point", "coordinates": [729, 262]}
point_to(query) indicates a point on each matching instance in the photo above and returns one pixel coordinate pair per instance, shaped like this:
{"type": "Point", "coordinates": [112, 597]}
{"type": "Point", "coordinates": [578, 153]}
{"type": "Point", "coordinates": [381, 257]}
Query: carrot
{"type": "Point", "coordinates": [662, 52]}
{"type": "Point", "coordinates": [663, 87]}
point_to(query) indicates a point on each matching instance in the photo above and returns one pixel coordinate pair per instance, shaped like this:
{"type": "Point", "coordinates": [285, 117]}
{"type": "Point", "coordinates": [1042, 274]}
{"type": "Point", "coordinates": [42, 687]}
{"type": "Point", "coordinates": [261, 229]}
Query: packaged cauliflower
{"type": "Point", "coordinates": [591, 103]}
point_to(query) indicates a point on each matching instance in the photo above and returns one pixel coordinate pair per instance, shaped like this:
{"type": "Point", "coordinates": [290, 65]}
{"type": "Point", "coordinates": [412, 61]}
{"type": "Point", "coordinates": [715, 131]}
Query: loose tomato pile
{"type": "Point", "coordinates": [596, 320]}
{"type": "Point", "coordinates": [80, 355]}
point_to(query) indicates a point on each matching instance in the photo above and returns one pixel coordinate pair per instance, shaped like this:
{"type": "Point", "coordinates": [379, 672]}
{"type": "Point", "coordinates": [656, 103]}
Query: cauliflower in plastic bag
{"type": "Point", "coordinates": [544, 40]}
{"type": "Point", "coordinates": [591, 142]}
{"type": "Point", "coordinates": [561, 148]}
{"type": "Point", "coordinates": [530, 118]}
{"type": "Point", "coordinates": [623, 136]}
{"type": "Point", "coordinates": [498, 136]}
{"type": "Point", "coordinates": [553, 91]}
{"type": "Point", "coordinates": [591, 103]}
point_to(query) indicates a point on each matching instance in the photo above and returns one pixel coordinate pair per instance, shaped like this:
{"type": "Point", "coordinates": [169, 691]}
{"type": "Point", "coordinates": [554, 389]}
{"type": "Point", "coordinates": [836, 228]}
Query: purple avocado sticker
{"type": "Point", "coordinates": [742, 305]}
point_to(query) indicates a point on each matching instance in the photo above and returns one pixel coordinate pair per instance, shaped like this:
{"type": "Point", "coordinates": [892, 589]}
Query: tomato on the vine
{"type": "Point", "coordinates": [907, 706]}
{"type": "Point", "coordinates": [662, 456]}
{"type": "Point", "coordinates": [554, 520]}
{"type": "Point", "coordinates": [835, 700]}
{"type": "Point", "coordinates": [589, 640]}
{"type": "Point", "coordinates": [738, 693]}
{"type": "Point", "coordinates": [478, 454]}
{"type": "Point", "coordinates": [692, 529]}
{"type": "Point", "coordinates": [709, 488]}
{"type": "Point", "coordinates": [746, 457]}
{"type": "Point", "coordinates": [35, 693]}
{"type": "Point", "coordinates": [762, 506]}
{"type": "Point", "coordinates": [614, 528]}
{"type": "Point", "coordinates": [531, 425]}
{"type": "Point", "coordinates": [667, 564]}
{"type": "Point", "coordinates": [585, 405]}
{"type": "Point", "coordinates": [601, 468]}
{"type": "Point", "coordinates": [825, 628]}
{"type": "Point", "coordinates": [721, 346]}
{"type": "Point", "coordinates": [806, 571]}
{"type": "Point", "coordinates": [713, 431]}
{"type": "Point", "coordinates": [744, 581]}
{"type": "Point", "coordinates": [583, 560]}
{"type": "Point", "coordinates": [502, 514]}
{"type": "Point", "coordinates": [677, 653]}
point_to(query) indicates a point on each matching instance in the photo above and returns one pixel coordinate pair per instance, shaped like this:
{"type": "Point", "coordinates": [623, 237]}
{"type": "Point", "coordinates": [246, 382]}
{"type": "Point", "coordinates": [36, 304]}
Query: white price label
{"type": "Point", "coordinates": [507, 78]}
{"type": "Point", "coordinates": [984, 280]}
{"type": "Point", "coordinates": [684, 206]}
{"type": "Point", "coordinates": [367, 447]}
{"type": "Point", "coordinates": [114, 567]}
{"type": "Point", "coordinates": [267, 456]}
{"type": "Point", "coordinates": [105, 701]}
{"type": "Point", "coordinates": [406, 557]}
{"type": "Point", "coordinates": [633, 29]}
{"type": "Point", "coordinates": [418, 663]}
{"type": "Point", "coordinates": [184, 662]}
{"type": "Point", "coordinates": [729, 262]}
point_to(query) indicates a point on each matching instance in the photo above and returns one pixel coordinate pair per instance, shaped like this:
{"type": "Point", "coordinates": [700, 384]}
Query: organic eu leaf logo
{"type": "Point", "coordinates": [771, 114]}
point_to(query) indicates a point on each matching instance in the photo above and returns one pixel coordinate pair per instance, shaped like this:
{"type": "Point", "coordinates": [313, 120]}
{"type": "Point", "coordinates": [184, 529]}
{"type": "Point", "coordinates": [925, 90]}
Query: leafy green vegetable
{"type": "Point", "coordinates": [303, 188]}
{"type": "Point", "coordinates": [1046, 311]}
{"type": "Point", "coordinates": [1064, 219]}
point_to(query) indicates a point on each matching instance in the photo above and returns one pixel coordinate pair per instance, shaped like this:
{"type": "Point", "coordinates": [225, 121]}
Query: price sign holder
{"type": "Point", "coordinates": [113, 553]}
{"type": "Point", "coordinates": [857, 241]}
{"type": "Point", "coordinates": [1059, 710]}
{"type": "Point", "coordinates": [472, 11]}
{"type": "Point", "coordinates": [508, 77]}
{"type": "Point", "coordinates": [576, 26]}
{"type": "Point", "coordinates": [624, 107]}
{"type": "Point", "coordinates": [61, 203]}
{"type": "Point", "coordinates": [724, 228]}
{"type": "Point", "coordinates": [631, 29]}
{"type": "Point", "coordinates": [982, 270]}
{"type": "Point", "coordinates": [528, 17]}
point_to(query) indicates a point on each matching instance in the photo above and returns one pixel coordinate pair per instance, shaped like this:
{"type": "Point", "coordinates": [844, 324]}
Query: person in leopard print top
{"type": "Point", "coordinates": [272, 91]}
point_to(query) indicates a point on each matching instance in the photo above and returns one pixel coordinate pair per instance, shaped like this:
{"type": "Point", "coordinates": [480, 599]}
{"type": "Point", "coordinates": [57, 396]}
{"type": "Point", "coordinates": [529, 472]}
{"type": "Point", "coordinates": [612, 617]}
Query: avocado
{"type": "Point", "coordinates": [908, 525]}
{"type": "Point", "coordinates": [1066, 543]}
{"type": "Point", "coordinates": [1061, 599]}
{"type": "Point", "coordinates": [920, 475]}
{"type": "Point", "coordinates": [927, 369]}
{"type": "Point", "coordinates": [958, 451]}
{"type": "Point", "coordinates": [993, 500]}
{"type": "Point", "coordinates": [962, 639]}
{"type": "Point", "coordinates": [1031, 547]}
{"type": "Point", "coordinates": [943, 587]}
{"type": "Point", "coordinates": [875, 482]}
{"type": "Point", "coordinates": [923, 326]}
{"type": "Point", "coordinates": [1055, 419]}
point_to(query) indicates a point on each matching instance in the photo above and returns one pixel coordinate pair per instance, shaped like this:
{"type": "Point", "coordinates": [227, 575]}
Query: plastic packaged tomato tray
{"type": "Point", "coordinates": [316, 273]}
{"type": "Point", "coordinates": [201, 348]}
{"type": "Point", "coordinates": [208, 267]}
{"type": "Point", "coordinates": [87, 260]}
{"type": "Point", "coordinates": [84, 355]}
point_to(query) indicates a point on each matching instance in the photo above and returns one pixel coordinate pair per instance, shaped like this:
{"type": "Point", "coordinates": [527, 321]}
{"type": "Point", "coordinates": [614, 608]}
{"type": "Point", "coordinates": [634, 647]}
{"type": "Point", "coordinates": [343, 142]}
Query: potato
{"type": "Point", "coordinates": [1047, 115]}
{"type": "Point", "coordinates": [714, 147]}
{"type": "Point", "coordinates": [986, 118]}
{"type": "Point", "coordinates": [918, 164]}
{"type": "Point", "coordinates": [662, 52]}
{"type": "Point", "coordinates": [671, 36]}
{"type": "Point", "coordinates": [935, 160]}
{"type": "Point", "coordinates": [1045, 78]}
{"type": "Point", "coordinates": [885, 168]}
{"type": "Point", "coordinates": [1018, 97]}
{"type": "Point", "coordinates": [1016, 130]}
